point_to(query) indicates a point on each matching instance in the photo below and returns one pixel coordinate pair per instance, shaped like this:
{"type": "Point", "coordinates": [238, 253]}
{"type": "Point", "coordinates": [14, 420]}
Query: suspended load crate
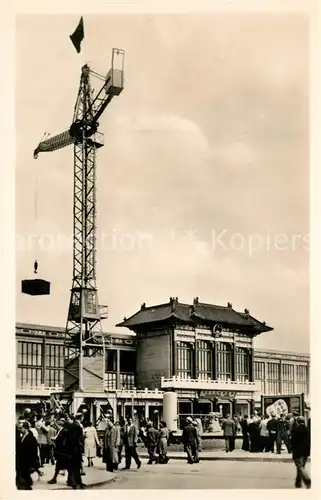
{"type": "Point", "coordinates": [35, 286]}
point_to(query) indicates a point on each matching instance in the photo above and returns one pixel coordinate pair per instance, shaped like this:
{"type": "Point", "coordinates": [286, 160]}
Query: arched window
{"type": "Point", "coordinates": [242, 364]}
{"type": "Point", "coordinates": [184, 359]}
{"type": "Point", "coordinates": [204, 360]}
{"type": "Point", "coordinates": [224, 361]}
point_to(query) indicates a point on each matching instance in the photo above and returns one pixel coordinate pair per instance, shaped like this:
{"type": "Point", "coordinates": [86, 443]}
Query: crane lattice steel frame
{"type": "Point", "coordinates": [84, 330]}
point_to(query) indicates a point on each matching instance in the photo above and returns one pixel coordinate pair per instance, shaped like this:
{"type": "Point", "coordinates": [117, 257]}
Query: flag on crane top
{"type": "Point", "coordinates": [78, 35]}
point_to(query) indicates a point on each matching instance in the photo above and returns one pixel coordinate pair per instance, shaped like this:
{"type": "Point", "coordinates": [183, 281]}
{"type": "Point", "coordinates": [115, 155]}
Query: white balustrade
{"type": "Point", "coordinates": [140, 393]}
{"type": "Point", "coordinates": [207, 384]}
{"type": "Point", "coordinates": [41, 390]}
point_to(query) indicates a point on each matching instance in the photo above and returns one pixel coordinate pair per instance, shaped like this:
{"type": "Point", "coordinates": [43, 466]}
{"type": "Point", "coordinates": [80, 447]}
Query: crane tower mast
{"type": "Point", "coordinates": [83, 329]}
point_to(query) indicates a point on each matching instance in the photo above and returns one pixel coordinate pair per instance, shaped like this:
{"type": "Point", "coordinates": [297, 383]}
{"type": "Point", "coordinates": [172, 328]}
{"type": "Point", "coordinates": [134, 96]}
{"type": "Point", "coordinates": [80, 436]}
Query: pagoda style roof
{"type": "Point", "coordinates": [197, 313]}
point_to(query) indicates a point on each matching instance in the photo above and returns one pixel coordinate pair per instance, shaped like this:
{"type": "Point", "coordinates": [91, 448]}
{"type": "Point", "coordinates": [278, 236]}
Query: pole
{"type": "Point", "coordinates": [104, 360]}
{"type": "Point", "coordinates": [81, 358]}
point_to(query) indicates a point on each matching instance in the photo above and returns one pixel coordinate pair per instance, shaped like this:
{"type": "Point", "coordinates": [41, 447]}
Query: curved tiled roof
{"type": "Point", "coordinates": [193, 314]}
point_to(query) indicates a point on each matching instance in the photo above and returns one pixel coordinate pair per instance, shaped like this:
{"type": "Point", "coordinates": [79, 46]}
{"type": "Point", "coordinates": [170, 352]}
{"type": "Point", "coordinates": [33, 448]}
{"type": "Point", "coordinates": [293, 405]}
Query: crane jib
{"type": "Point", "coordinates": [66, 138]}
{"type": "Point", "coordinates": [53, 143]}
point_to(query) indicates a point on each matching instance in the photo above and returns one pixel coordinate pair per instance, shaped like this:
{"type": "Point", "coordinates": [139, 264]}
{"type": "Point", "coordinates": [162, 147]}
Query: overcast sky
{"type": "Point", "coordinates": [203, 180]}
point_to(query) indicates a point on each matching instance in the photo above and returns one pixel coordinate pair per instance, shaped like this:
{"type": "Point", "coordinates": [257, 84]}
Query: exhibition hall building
{"type": "Point", "coordinates": [204, 353]}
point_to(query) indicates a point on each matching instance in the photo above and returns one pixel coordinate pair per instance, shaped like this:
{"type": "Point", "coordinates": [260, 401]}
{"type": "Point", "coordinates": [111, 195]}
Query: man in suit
{"type": "Point", "coordinates": [245, 433]}
{"type": "Point", "coordinates": [190, 441]}
{"type": "Point", "coordinates": [229, 432]}
{"type": "Point", "coordinates": [111, 445]}
{"type": "Point", "coordinates": [151, 442]}
{"type": "Point", "coordinates": [60, 450]}
{"type": "Point", "coordinates": [27, 459]}
{"type": "Point", "coordinates": [74, 451]}
{"type": "Point", "coordinates": [272, 427]}
{"type": "Point", "coordinates": [300, 444]}
{"type": "Point", "coordinates": [130, 441]}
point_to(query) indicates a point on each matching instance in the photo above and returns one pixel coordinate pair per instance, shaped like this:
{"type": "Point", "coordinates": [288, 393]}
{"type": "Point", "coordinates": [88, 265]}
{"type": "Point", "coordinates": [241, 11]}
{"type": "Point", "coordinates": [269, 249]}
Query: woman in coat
{"type": "Point", "coordinates": [111, 447]}
{"type": "Point", "coordinates": [163, 436]}
{"type": "Point", "coordinates": [91, 442]}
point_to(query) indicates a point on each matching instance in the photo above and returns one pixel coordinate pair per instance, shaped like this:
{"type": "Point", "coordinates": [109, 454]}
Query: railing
{"type": "Point", "coordinates": [140, 394]}
{"type": "Point", "coordinates": [38, 390]}
{"type": "Point", "coordinates": [207, 384]}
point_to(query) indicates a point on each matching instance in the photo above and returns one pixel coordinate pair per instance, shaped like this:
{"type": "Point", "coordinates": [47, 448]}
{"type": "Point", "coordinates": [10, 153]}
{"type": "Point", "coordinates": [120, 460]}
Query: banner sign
{"type": "Point", "coordinates": [282, 404]}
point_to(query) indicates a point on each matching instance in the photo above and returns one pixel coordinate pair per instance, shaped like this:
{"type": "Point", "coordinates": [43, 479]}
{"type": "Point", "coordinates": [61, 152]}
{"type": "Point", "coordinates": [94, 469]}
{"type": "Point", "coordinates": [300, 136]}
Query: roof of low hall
{"type": "Point", "coordinates": [196, 313]}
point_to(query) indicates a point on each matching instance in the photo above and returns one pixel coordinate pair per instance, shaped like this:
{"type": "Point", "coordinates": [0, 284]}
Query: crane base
{"type": "Point", "coordinates": [35, 287]}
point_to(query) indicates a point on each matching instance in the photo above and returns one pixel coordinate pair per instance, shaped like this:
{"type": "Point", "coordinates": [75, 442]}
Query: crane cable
{"type": "Point", "coordinates": [36, 201]}
{"type": "Point", "coordinates": [36, 209]}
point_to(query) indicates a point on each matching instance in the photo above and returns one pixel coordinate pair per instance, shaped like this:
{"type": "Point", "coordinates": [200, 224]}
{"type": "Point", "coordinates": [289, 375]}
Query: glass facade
{"type": "Point", "coordinates": [127, 367]}
{"type": "Point", "coordinates": [41, 362]}
{"type": "Point", "coordinates": [33, 364]}
{"type": "Point", "coordinates": [273, 378]}
{"type": "Point", "coordinates": [184, 359]}
{"type": "Point", "coordinates": [29, 364]}
{"type": "Point", "coordinates": [29, 353]}
{"type": "Point", "coordinates": [204, 360]}
{"type": "Point", "coordinates": [288, 379]}
{"type": "Point", "coordinates": [242, 364]}
{"type": "Point", "coordinates": [259, 375]}
{"type": "Point", "coordinates": [111, 360]}
{"type": "Point", "coordinates": [54, 365]}
{"type": "Point", "coordinates": [302, 382]}
{"type": "Point", "coordinates": [224, 361]}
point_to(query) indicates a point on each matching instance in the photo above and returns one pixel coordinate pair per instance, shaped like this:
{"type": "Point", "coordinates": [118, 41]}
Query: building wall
{"type": "Point", "coordinates": [278, 372]}
{"type": "Point", "coordinates": [153, 359]}
{"type": "Point", "coordinates": [40, 360]}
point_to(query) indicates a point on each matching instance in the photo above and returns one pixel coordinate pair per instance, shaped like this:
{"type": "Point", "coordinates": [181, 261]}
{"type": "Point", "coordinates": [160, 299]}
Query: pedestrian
{"type": "Point", "coordinates": [245, 433]}
{"type": "Point", "coordinates": [60, 450]}
{"type": "Point", "coordinates": [163, 435]}
{"type": "Point", "coordinates": [199, 424]}
{"type": "Point", "coordinates": [151, 442]}
{"type": "Point", "coordinates": [272, 427]}
{"type": "Point", "coordinates": [79, 418]}
{"type": "Point", "coordinates": [130, 441]}
{"type": "Point", "coordinates": [91, 442]}
{"type": "Point", "coordinates": [229, 432]}
{"type": "Point", "coordinates": [199, 438]}
{"type": "Point", "coordinates": [301, 444]}
{"type": "Point", "coordinates": [27, 459]}
{"type": "Point", "coordinates": [190, 441]}
{"type": "Point", "coordinates": [74, 449]}
{"type": "Point", "coordinates": [32, 422]}
{"type": "Point", "coordinates": [264, 444]}
{"type": "Point", "coordinates": [283, 434]}
{"type": "Point", "coordinates": [42, 430]}
{"type": "Point", "coordinates": [50, 443]}
{"type": "Point", "coordinates": [111, 444]}
{"type": "Point", "coordinates": [237, 424]}
{"type": "Point", "coordinates": [121, 430]}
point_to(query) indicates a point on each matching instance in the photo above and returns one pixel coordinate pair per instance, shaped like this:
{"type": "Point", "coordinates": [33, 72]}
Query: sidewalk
{"type": "Point", "coordinates": [236, 455]}
{"type": "Point", "coordinates": [95, 476]}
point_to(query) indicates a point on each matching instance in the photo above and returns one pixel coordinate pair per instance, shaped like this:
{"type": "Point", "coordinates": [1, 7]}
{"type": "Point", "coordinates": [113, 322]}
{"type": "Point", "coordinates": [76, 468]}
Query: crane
{"type": "Point", "coordinates": [84, 336]}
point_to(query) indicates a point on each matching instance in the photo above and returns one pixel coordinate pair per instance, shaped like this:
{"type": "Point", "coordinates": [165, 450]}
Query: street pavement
{"type": "Point", "coordinates": [217, 470]}
{"type": "Point", "coordinates": [94, 477]}
{"type": "Point", "coordinates": [207, 475]}
{"type": "Point", "coordinates": [236, 455]}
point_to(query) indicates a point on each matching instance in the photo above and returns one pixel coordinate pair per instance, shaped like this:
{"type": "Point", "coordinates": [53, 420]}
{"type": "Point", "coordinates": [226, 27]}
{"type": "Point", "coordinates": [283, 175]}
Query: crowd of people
{"type": "Point", "coordinates": [267, 433]}
{"type": "Point", "coordinates": [65, 440]}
